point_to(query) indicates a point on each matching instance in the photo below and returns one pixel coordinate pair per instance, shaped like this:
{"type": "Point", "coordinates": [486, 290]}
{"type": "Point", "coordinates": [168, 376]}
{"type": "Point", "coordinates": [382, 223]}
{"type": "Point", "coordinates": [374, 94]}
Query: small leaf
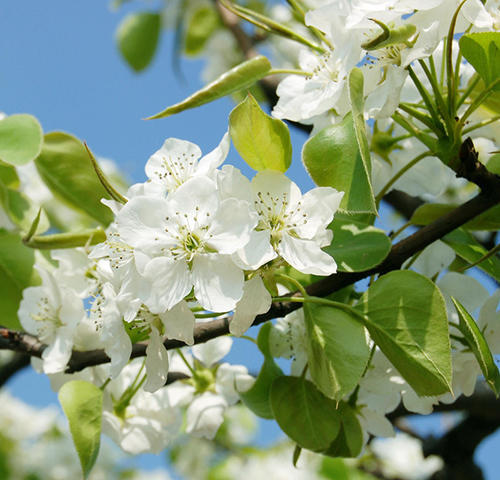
{"type": "Point", "coordinates": [257, 398]}
{"type": "Point", "coordinates": [241, 76]}
{"type": "Point", "coordinates": [468, 248]}
{"type": "Point", "coordinates": [407, 319]}
{"type": "Point", "coordinates": [16, 272]}
{"type": "Point", "coordinates": [482, 51]}
{"type": "Point", "coordinates": [84, 238]}
{"type": "Point", "coordinates": [429, 212]}
{"type": "Point", "coordinates": [349, 441]}
{"type": "Point", "coordinates": [262, 141]}
{"type": "Point", "coordinates": [308, 417]}
{"type": "Point", "coordinates": [333, 159]}
{"type": "Point", "coordinates": [202, 23]}
{"type": "Point", "coordinates": [82, 405]}
{"type": "Point", "coordinates": [66, 169]}
{"type": "Point", "coordinates": [137, 38]}
{"type": "Point", "coordinates": [21, 139]}
{"type": "Point", "coordinates": [357, 246]}
{"type": "Point", "coordinates": [479, 347]}
{"type": "Point", "coordinates": [337, 349]}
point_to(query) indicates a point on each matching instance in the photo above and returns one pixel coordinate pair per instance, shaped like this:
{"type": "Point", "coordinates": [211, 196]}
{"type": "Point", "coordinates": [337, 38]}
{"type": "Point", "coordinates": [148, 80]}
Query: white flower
{"type": "Point", "coordinates": [177, 161]}
{"type": "Point", "coordinates": [291, 224]}
{"type": "Point", "coordinates": [52, 312]}
{"type": "Point", "coordinates": [186, 240]}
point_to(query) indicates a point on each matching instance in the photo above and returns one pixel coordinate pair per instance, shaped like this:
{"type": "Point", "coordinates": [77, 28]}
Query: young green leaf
{"type": "Point", "coordinates": [137, 38]}
{"type": "Point", "coordinates": [84, 238]}
{"type": "Point", "coordinates": [482, 51]}
{"type": "Point", "coordinates": [66, 169]}
{"type": "Point", "coordinates": [82, 405]}
{"type": "Point", "coordinates": [333, 159]}
{"type": "Point", "coordinates": [262, 141]}
{"type": "Point", "coordinates": [21, 139]}
{"type": "Point", "coordinates": [337, 349]}
{"type": "Point", "coordinates": [308, 417]}
{"type": "Point", "coordinates": [468, 248]}
{"type": "Point", "coordinates": [357, 246]}
{"type": "Point", "coordinates": [241, 76]}
{"type": "Point", "coordinates": [349, 441]}
{"type": "Point", "coordinates": [479, 347]}
{"type": "Point", "coordinates": [202, 23]}
{"type": "Point", "coordinates": [257, 398]}
{"type": "Point", "coordinates": [16, 273]}
{"type": "Point", "coordinates": [407, 319]}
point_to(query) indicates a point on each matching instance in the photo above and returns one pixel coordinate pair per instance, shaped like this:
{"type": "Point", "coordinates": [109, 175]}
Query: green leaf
{"type": "Point", "coordinates": [137, 37]}
{"type": "Point", "coordinates": [21, 210]}
{"type": "Point", "coordinates": [82, 405]}
{"type": "Point", "coordinates": [468, 248]}
{"type": "Point", "coordinates": [240, 76]}
{"type": "Point", "coordinates": [8, 175]}
{"type": "Point", "coordinates": [479, 347]}
{"type": "Point", "coordinates": [202, 23]}
{"type": "Point", "coordinates": [357, 246]}
{"type": "Point", "coordinates": [257, 398]}
{"type": "Point", "coordinates": [494, 164]}
{"type": "Point", "coordinates": [338, 469]}
{"type": "Point", "coordinates": [84, 238]}
{"type": "Point", "coordinates": [349, 440]}
{"type": "Point", "coordinates": [333, 159]}
{"type": "Point", "coordinates": [429, 212]}
{"type": "Point", "coordinates": [308, 417]}
{"type": "Point", "coordinates": [407, 319]}
{"type": "Point", "coordinates": [65, 167]}
{"type": "Point", "coordinates": [262, 141]}
{"type": "Point", "coordinates": [337, 349]}
{"type": "Point", "coordinates": [21, 139]}
{"type": "Point", "coordinates": [482, 51]}
{"type": "Point", "coordinates": [16, 272]}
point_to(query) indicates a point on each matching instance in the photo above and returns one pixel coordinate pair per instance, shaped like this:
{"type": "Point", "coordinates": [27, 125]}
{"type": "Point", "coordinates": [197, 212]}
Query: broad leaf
{"type": "Point", "coordinates": [482, 51]}
{"type": "Point", "coordinates": [468, 248]}
{"type": "Point", "coordinates": [241, 76]}
{"type": "Point", "coordinates": [333, 159]}
{"type": "Point", "coordinates": [202, 23]}
{"type": "Point", "coordinates": [16, 272]}
{"type": "Point", "coordinates": [337, 349]}
{"type": "Point", "coordinates": [349, 440]}
{"type": "Point", "coordinates": [429, 212]}
{"type": "Point", "coordinates": [21, 139]}
{"type": "Point", "coordinates": [257, 398]}
{"type": "Point", "coordinates": [407, 319]}
{"type": "Point", "coordinates": [262, 141]}
{"type": "Point", "coordinates": [308, 417]}
{"type": "Point", "coordinates": [82, 405]}
{"type": "Point", "coordinates": [137, 38]}
{"type": "Point", "coordinates": [65, 167]}
{"type": "Point", "coordinates": [357, 246]}
{"type": "Point", "coordinates": [479, 347]}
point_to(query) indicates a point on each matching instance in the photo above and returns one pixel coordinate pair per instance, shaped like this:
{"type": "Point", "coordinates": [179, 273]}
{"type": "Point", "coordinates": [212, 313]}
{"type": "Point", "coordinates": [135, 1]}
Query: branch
{"type": "Point", "coordinates": [12, 366]}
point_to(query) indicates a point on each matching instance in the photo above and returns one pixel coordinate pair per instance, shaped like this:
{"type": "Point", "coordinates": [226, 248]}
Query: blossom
{"type": "Point", "coordinates": [52, 312]}
{"type": "Point", "coordinates": [186, 240]}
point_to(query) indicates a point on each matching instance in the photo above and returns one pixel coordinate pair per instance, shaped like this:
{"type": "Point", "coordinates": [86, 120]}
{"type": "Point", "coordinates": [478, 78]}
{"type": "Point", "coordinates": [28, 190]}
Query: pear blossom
{"type": "Point", "coordinates": [52, 312]}
{"type": "Point", "coordinates": [291, 225]}
{"type": "Point", "coordinates": [186, 240]}
{"type": "Point", "coordinates": [177, 161]}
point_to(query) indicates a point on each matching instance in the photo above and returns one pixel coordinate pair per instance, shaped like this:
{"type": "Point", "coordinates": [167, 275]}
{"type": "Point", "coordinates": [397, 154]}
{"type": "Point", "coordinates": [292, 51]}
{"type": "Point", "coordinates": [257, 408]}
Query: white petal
{"type": "Point", "coordinates": [215, 158]}
{"type": "Point", "coordinates": [156, 363]}
{"type": "Point", "coordinates": [255, 300]}
{"type": "Point", "coordinates": [276, 184]}
{"type": "Point", "coordinates": [256, 252]}
{"type": "Point", "coordinates": [212, 351]}
{"type": "Point", "coordinates": [231, 380]}
{"type": "Point", "coordinates": [434, 258]}
{"type": "Point", "coordinates": [232, 183]}
{"type": "Point", "coordinates": [56, 356]}
{"type": "Point", "coordinates": [169, 283]}
{"type": "Point", "coordinates": [196, 198]}
{"type": "Point", "coordinates": [179, 323]}
{"type": "Point", "coordinates": [231, 226]}
{"type": "Point", "coordinates": [205, 415]}
{"type": "Point", "coordinates": [218, 282]}
{"type": "Point", "coordinates": [306, 256]}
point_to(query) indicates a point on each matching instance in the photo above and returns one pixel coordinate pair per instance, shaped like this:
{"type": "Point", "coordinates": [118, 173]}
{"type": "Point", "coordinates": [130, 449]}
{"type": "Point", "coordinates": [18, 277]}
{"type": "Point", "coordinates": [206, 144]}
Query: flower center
{"type": "Point", "coordinates": [47, 319]}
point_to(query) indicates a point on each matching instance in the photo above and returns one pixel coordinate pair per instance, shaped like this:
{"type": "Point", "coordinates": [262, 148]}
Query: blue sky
{"type": "Point", "coordinates": [58, 61]}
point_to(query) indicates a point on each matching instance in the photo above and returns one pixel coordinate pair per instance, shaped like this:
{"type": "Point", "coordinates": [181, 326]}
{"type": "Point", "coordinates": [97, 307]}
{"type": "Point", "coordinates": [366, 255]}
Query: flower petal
{"type": "Point", "coordinates": [179, 323]}
{"type": "Point", "coordinates": [215, 158]}
{"type": "Point", "coordinates": [205, 415]}
{"type": "Point", "coordinates": [156, 363]}
{"type": "Point", "coordinates": [212, 351]}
